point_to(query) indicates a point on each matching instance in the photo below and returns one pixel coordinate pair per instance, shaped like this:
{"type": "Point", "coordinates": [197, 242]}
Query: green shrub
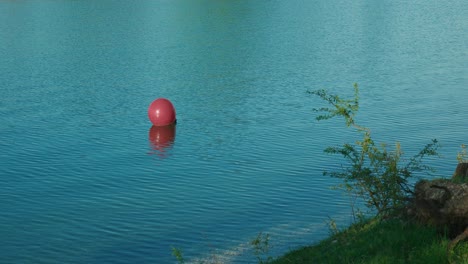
{"type": "Point", "coordinates": [375, 174]}
{"type": "Point", "coordinates": [462, 156]}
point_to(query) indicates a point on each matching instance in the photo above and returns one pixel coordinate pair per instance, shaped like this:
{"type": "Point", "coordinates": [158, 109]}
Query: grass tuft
{"type": "Point", "coordinates": [374, 241]}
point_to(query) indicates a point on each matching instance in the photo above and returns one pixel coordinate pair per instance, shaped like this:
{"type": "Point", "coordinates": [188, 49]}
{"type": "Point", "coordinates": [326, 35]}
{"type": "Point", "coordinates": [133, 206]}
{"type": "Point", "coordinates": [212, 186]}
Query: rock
{"type": "Point", "coordinates": [461, 172]}
{"type": "Point", "coordinates": [443, 203]}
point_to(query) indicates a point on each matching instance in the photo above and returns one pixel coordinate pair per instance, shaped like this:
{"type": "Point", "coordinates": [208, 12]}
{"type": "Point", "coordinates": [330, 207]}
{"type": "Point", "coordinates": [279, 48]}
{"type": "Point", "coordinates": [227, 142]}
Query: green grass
{"type": "Point", "coordinates": [460, 180]}
{"type": "Point", "coordinates": [391, 241]}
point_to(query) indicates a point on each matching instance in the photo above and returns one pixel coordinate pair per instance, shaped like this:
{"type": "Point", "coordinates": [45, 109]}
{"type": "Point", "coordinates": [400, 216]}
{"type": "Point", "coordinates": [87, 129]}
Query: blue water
{"type": "Point", "coordinates": [85, 180]}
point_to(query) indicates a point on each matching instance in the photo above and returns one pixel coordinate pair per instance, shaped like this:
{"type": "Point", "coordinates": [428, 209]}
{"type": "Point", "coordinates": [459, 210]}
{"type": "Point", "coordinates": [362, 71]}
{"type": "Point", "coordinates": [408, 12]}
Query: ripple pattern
{"type": "Point", "coordinates": [82, 182]}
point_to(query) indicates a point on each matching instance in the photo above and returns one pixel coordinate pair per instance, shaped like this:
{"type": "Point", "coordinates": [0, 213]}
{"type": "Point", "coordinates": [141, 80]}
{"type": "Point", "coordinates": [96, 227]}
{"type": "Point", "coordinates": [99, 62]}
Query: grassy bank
{"type": "Point", "coordinates": [390, 241]}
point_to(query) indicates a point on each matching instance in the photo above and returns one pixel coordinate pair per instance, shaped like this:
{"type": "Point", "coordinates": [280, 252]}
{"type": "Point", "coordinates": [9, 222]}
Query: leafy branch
{"type": "Point", "coordinates": [462, 156]}
{"type": "Point", "coordinates": [375, 174]}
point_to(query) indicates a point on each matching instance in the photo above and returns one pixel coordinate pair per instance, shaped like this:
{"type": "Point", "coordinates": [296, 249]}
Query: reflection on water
{"type": "Point", "coordinates": [161, 139]}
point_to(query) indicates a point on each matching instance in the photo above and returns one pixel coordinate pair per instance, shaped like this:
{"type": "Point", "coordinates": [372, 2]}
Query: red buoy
{"type": "Point", "coordinates": [161, 112]}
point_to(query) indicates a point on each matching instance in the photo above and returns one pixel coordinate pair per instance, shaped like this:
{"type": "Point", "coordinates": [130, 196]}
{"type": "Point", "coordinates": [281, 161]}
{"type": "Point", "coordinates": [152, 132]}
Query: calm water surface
{"type": "Point", "coordinates": [84, 178]}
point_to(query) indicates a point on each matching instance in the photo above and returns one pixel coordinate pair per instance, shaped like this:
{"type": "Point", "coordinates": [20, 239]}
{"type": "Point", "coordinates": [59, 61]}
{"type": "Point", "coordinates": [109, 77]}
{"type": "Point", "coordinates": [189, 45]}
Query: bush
{"type": "Point", "coordinates": [375, 174]}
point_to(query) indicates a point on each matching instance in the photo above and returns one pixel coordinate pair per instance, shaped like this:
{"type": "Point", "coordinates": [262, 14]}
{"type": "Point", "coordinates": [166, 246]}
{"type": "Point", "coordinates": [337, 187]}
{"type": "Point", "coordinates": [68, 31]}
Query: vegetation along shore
{"type": "Point", "coordinates": [426, 222]}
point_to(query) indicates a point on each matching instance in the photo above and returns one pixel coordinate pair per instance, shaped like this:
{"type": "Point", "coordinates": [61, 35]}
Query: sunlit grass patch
{"type": "Point", "coordinates": [391, 241]}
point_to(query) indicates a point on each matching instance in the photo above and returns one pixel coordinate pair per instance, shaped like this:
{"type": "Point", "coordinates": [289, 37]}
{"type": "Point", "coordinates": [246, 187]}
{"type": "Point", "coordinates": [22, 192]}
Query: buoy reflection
{"type": "Point", "coordinates": [161, 139]}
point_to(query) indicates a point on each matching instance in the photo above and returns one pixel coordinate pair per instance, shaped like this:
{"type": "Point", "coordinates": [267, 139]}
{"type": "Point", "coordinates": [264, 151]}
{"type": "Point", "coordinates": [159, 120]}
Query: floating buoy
{"type": "Point", "coordinates": [161, 112]}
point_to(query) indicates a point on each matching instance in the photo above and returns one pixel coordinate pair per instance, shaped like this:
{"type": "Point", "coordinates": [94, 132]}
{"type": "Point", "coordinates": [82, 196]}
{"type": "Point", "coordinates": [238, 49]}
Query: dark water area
{"type": "Point", "coordinates": [86, 179]}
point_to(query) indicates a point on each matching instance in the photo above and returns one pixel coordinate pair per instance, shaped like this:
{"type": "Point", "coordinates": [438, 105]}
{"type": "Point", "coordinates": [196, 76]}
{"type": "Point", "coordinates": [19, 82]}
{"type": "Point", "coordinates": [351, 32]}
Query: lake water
{"type": "Point", "coordinates": [84, 178]}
